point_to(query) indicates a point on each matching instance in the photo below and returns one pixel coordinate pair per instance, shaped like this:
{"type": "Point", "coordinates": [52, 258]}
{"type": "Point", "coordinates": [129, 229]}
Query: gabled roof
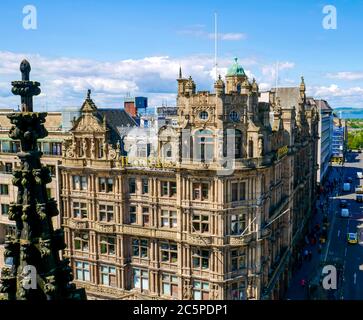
{"type": "Point", "coordinates": [115, 118]}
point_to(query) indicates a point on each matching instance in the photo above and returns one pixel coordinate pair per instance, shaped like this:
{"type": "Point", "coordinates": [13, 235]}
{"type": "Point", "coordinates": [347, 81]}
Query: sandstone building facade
{"type": "Point", "coordinates": [212, 206]}
{"type": "Point", "coordinates": [217, 213]}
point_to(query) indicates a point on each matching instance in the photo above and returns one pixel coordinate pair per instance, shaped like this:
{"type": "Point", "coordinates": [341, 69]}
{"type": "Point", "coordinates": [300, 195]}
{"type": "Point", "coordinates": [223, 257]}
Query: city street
{"type": "Point", "coordinates": [336, 251]}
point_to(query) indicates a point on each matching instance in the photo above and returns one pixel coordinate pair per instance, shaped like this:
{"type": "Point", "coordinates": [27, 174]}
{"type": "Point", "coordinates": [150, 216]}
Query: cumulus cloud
{"type": "Point", "coordinates": [346, 75]}
{"type": "Point", "coordinates": [65, 80]}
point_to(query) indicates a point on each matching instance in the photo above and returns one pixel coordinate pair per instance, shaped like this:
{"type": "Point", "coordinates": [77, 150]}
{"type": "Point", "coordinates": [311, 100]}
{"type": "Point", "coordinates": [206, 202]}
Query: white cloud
{"type": "Point", "coordinates": [338, 96]}
{"type": "Point", "coordinates": [346, 75]}
{"type": "Point", "coordinates": [199, 31]}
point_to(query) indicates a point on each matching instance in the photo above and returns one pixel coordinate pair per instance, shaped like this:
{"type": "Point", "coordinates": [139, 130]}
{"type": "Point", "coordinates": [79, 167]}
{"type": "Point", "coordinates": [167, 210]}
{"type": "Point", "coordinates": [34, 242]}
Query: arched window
{"type": "Point", "coordinates": [204, 146]}
{"type": "Point", "coordinates": [239, 88]}
{"type": "Point", "coordinates": [168, 153]}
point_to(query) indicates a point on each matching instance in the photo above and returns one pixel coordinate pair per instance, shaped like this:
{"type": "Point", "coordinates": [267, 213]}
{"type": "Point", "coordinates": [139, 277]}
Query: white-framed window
{"type": "Point", "coordinates": [168, 188]}
{"type": "Point", "coordinates": [145, 217]}
{"type": "Point", "coordinates": [140, 248]}
{"type": "Point", "coordinates": [200, 191]}
{"type": "Point", "coordinates": [169, 252]}
{"type": "Point", "coordinates": [238, 224]}
{"type": "Point", "coordinates": [132, 185]}
{"type": "Point", "coordinates": [169, 219]}
{"type": "Point", "coordinates": [238, 191]}
{"type": "Point", "coordinates": [81, 241]}
{"type": "Point", "coordinates": [200, 290]}
{"type": "Point", "coordinates": [238, 259]}
{"type": "Point", "coordinates": [141, 279]}
{"type": "Point", "coordinates": [133, 214]}
{"type": "Point", "coordinates": [106, 213]}
{"type": "Point", "coordinates": [200, 223]}
{"type": "Point", "coordinates": [80, 182]}
{"type": "Point", "coordinates": [169, 285]}
{"type": "Point", "coordinates": [145, 186]}
{"type": "Point", "coordinates": [108, 276]}
{"type": "Point", "coordinates": [105, 185]}
{"type": "Point", "coordinates": [200, 258]}
{"type": "Point", "coordinates": [107, 245]}
{"type": "Point", "coordinates": [83, 271]}
{"type": "Point", "coordinates": [80, 210]}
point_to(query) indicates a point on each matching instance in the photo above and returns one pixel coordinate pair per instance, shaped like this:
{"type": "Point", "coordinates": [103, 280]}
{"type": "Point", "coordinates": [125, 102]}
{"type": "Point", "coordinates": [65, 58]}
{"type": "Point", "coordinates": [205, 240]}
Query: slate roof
{"type": "Point", "coordinates": [115, 118]}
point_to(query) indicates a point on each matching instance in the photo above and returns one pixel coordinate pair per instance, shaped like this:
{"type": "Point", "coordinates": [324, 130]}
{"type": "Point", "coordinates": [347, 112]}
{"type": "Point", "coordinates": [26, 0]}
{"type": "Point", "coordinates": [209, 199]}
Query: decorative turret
{"type": "Point", "coordinates": [34, 270]}
{"type": "Point", "coordinates": [302, 89]}
{"type": "Point", "coordinates": [181, 83]}
{"type": "Point", "coordinates": [190, 86]}
{"type": "Point", "coordinates": [235, 77]}
{"type": "Point", "coordinates": [254, 87]}
{"type": "Point", "coordinates": [219, 86]}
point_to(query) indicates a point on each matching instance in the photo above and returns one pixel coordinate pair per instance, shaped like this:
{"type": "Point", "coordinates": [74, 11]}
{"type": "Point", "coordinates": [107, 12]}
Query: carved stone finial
{"type": "Point", "coordinates": [25, 69]}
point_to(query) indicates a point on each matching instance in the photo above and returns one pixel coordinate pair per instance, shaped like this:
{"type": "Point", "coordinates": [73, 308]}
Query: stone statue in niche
{"type": "Point", "coordinates": [260, 146]}
{"type": "Point", "coordinates": [84, 146]}
{"type": "Point", "coordinates": [93, 148]}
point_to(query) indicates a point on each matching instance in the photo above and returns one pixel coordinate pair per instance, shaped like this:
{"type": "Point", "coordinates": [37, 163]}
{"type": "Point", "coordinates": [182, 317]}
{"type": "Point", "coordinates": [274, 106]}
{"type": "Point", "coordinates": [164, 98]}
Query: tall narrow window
{"type": "Point", "coordinates": [82, 271]}
{"type": "Point", "coordinates": [145, 186]}
{"type": "Point", "coordinates": [204, 146]}
{"type": "Point", "coordinates": [250, 148]}
{"type": "Point", "coordinates": [133, 214]}
{"type": "Point", "coordinates": [108, 276]}
{"type": "Point", "coordinates": [132, 185]}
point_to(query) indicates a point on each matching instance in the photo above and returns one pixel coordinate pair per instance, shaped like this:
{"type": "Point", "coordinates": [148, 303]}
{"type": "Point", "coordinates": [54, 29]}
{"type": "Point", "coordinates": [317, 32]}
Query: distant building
{"type": "Point", "coordinates": [326, 137]}
{"type": "Point", "coordinates": [135, 106]}
{"type": "Point", "coordinates": [340, 136]}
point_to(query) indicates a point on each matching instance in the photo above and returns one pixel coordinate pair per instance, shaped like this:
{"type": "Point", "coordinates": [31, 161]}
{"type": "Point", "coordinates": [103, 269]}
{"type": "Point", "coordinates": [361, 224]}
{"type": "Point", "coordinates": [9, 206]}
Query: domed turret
{"type": "Point", "coordinates": [235, 69]}
{"type": "Point", "coordinates": [235, 77]}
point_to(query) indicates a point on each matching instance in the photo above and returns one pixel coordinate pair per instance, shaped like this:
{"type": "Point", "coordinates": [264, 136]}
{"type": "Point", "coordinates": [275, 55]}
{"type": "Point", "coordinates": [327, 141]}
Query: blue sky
{"type": "Point", "coordinates": [115, 47]}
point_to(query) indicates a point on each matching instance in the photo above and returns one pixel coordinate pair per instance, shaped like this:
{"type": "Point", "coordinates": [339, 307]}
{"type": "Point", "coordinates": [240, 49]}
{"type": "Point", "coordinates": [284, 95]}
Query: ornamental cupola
{"type": "Point", "coordinates": [235, 77]}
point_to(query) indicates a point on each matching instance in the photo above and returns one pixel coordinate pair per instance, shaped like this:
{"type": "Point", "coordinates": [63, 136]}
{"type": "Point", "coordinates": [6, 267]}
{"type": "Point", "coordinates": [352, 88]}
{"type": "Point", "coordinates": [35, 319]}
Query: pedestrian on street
{"type": "Point", "coordinates": [306, 254]}
{"type": "Point", "coordinates": [303, 283]}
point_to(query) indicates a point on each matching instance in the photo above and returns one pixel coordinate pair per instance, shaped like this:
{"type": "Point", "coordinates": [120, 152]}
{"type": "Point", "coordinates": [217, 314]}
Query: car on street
{"type": "Point", "coordinates": [344, 213]}
{"type": "Point", "coordinates": [359, 198]}
{"type": "Point", "coordinates": [352, 238]}
{"type": "Point", "coordinates": [359, 189]}
{"type": "Point", "coordinates": [360, 175]}
{"type": "Point", "coordinates": [343, 203]}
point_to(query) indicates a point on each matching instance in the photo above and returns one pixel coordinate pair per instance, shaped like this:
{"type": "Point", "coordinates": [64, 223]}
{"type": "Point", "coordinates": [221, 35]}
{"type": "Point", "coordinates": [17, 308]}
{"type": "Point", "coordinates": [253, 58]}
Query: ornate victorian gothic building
{"type": "Point", "coordinates": [213, 208]}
